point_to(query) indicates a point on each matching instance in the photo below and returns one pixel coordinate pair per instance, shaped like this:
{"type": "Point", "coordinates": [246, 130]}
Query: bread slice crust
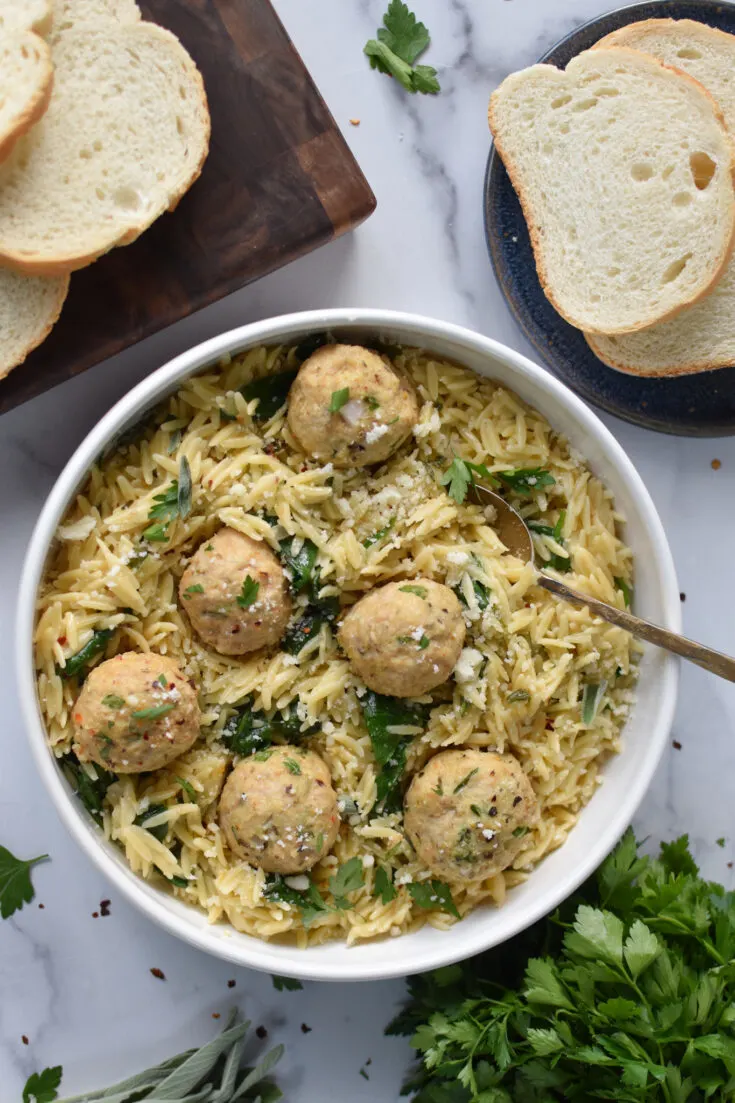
{"type": "Point", "coordinates": [59, 156]}
{"type": "Point", "coordinates": [537, 230]}
{"type": "Point", "coordinates": [702, 337]}
{"type": "Point", "coordinates": [39, 303]}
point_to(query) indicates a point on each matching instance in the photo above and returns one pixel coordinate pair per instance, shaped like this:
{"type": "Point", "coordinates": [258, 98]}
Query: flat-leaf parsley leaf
{"type": "Point", "coordinates": [16, 888]}
{"type": "Point", "coordinates": [401, 40]}
{"type": "Point", "coordinates": [42, 1087]}
{"type": "Point", "coordinates": [249, 592]}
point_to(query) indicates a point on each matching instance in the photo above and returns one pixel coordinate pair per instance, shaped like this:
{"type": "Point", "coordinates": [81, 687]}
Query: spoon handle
{"type": "Point", "coordinates": [714, 661]}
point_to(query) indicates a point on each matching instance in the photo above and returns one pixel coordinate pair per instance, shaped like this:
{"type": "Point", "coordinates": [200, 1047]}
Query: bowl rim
{"type": "Point", "coordinates": [258, 954]}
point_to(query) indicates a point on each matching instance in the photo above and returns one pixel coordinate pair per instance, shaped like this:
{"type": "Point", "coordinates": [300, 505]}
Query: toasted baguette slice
{"type": "Point", "coordinates": [26, 77]}
{"type": "Point", "coordinates": [29, 307]}
{"type": "Point", "coordinates": [70, 13]}
{"type": "Point", "coordinates": [124, 137]}
{"type": "Point", "coordinates": [25, 15]}
{"type": "Point", "coordinates": [702, 337]}
{"type": "Point", "coordinates": [624, 171]}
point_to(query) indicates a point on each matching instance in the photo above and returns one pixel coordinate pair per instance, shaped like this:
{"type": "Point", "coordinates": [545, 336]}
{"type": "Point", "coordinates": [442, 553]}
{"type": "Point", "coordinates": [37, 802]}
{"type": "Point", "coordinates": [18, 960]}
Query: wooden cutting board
{"type": "Point", "coordinates": [278, 182]}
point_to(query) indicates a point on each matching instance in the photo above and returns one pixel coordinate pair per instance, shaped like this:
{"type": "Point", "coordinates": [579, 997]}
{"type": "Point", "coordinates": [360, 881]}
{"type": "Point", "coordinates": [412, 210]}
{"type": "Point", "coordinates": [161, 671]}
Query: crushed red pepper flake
{"type": "Point", "coordinates": [676, 745]}
{"type": "Point", "coordinates": [261, 1032]}
{"type": "Point", "coordinates": [95, 915]}
{"type": "Point", "coordinates": [215, 1014]}
{"type": "Point", "coordinates": [158, 973]}
{"type": "Point", "coordinates": [716, 465]}
{"type": "Point", "coordinates": [42, 906]}
{"type": "Point", "coordinates": [24, 1039]}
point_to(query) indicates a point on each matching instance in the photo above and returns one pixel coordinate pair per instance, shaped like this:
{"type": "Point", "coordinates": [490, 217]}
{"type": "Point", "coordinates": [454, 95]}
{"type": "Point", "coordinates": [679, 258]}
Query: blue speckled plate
{"type": "Point", "coordinates": [700, 405]}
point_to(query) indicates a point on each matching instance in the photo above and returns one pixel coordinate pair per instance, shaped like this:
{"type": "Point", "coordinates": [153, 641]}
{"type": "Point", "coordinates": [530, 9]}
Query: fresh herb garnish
{"type": "Point", "coordinates": [310, 902]}
{"type": "Point", "coordinates": [196, 589]}
{"type": "Point", "coordinates": [212, 1072]}
{"type": "Point", "coordinates": [424, 642]}
{"type": "Point", "coordinates": [381, 715]}
{"type": "Point", "coordinates": [249, 730]}
{"type": "Point", "coordinates": [113, 701]}
{"type": "Point", "coordinates": [292, 766]}
{"type": "Point", "coordinates": [318, 614]}
{"type": "Point", "coordinates": [401, 40]}
{"type": "Point", "coordinates": [371, 402]}
{"type": "Point", "coordinates": [162, 514]}
{"type": "Point", "coordinates": [520, 831]}
{"type": "Point", "coordinates": [561, 563]}
{"type": "Point", "coordinates": [105, 744]}
{"type": "Point", "coordinates": [286, 984]}
{"type": "Point", "coordinates": [626, 591]}
{"type": "Point", "coordinates": [174, 441]}
{"type": "Point", "coordinates": [188, 788]}
{"type": "Point", "coordinates": [481, 592]}
{"type": "Point", "coordinates": [184, 488]}
{"type": "Point", "coordinates": [249, 592]}
{"type": "Point", "coordinates": [625, 993]}
{"type": "Point", "coordinates": [161, 829]}
{"type": "Point", "coordinates": [433, 895]}
{"type": "Point", "coordinates": [91, 791]}
{"type": "Point", "coordinates": [465, 780]}
{"type": "Point", "coordinates": [339, 399]}
{"type": "Point", "coordinates": [271, 392]}
{"type": "Point", "coordinates": [380, 534]}
{"type": "Point", "coordinates": [16, 888]}
{"type": "Point", "coordinates": [383, 886]}
{"type": "Point", "coordinates": [518, 695]}
{"type": "Point", "coordinates": [77, 663]}
{"type": "Point", "coordinates": [153, 712]}
{"type": "Point", "coordinates": [420, 591]}
{"type": "Point", "coordinates": [179, 882]}
{"type": "Point", "coordinates": [349, 878]}
{"type": "Point", "coordinates": [592, 695]}
{"type": "Point", "coordinates": [525, 481]}
{"type": "Point", "coordinates": [42, 1087]}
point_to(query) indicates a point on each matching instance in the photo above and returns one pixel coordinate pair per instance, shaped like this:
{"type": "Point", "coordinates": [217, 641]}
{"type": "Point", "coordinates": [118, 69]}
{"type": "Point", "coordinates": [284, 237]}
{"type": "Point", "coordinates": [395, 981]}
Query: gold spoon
{"type": "Point", "coordinates": [514, 533]}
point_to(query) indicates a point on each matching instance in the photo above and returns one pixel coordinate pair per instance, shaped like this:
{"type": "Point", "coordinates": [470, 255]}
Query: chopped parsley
{"type": "Point", "coordinates": [401, 40]}
{"type": "Point", "coordinates": [525, 481]}
{"type": "Point", "coordinates": [424, 642]}
{"type": "Point", "coordinates": [16, 888]}
{"type": "Point", "coordinates": [162, 514]}
{"type": "Point", "coordinates": [249, 592]}
{"type": "Point", "coordinates": [592, 695]}
{"type": "Point", "coordinates": [292, 765]}
{"type": "Point", "coordinates": [519, 832]}
{"type": "Point", "coordinates": [105, 743]}
{"type": "Point", "coordinates": [465, 780]}
{"type": "Point", "coordinates": [383, 885]}
{"type": "Point", "coordinates": [433, 895]}
{"type": "Point", "coordinates": [196, 589]}
{"type": "Point", "coordinates": [310, 902]}
{"type": "Point", "coordinates": [339, 399]}
{"type": "Point", "coordinates": [154, 712]}
{"type": "Point", "coordinates": [460, 475]}
{"type": "Point", "coordinates": [349, 878]}
{"type": "Point", "coordinates": [188, 788]}
{"type": "Point", "coordinates": [380, 534]}
{"type": "Point", "coordinates": [518, 695]}
{"type": "Point", "coordinates": [286, 984]}
{"type": "Point", "coordinates": [371, 402]}
{"type": "Point", "coordinates": [113, 701]}
{"type": "Point", "coordinates": [42, 1087]}
{"type": "Point", "coordinates": [420, 591]}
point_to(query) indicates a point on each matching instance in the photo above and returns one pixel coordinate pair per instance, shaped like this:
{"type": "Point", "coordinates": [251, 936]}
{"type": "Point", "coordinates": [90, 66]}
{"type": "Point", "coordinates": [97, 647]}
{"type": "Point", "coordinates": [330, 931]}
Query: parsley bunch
{"type": "Point", "coordinates": [627, 993]}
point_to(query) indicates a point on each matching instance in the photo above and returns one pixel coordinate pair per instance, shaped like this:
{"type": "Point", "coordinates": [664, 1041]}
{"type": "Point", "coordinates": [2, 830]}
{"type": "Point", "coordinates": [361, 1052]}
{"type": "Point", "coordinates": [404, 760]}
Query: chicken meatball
{"type": "Point", "coordinates": [278, 810]}
{"type": "Point", "coordinates": [135, 713]}
{"type": "Point", "coordinates": [236, 594]}
{"type": "Point", "coordinates": [350, 406]}
{"type": "Point", "coordinates": [404, 638]}
{"type": "Point", "coordinates": [466, 813]}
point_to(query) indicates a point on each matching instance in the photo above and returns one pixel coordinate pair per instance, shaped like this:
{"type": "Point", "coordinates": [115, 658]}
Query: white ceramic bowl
{"type": "Point", "coordinates": [626, 777]}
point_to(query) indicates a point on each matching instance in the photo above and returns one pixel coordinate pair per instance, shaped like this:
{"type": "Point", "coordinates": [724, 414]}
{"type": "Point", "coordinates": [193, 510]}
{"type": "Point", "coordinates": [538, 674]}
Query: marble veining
{"type": "Point", "coordinates": [79, 988]}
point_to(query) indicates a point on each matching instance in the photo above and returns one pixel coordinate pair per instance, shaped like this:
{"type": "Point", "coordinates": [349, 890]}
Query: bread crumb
{"type": "Point", "coordinates": [354, 122]}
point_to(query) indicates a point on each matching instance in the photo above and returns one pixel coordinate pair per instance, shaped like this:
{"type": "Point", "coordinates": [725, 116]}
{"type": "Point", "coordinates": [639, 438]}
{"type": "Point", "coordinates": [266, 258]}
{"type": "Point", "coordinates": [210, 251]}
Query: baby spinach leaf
{"type": "Point", "coordinates": [77, 663]}
{"type": "Point", "coordinates": [91, 791]}
{"type": "Point", "coordinates": [271, 392]}
{"type": "Point", "coordinates": [160, 830]}
{"type": "Point", "coordinates": [381, 714]}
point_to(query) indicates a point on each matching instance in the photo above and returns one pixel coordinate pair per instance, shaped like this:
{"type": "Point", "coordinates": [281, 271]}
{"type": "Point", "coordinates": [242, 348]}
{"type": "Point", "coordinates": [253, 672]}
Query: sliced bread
{"type": "Point", "coordinates": [26, 77]}
{"type": "Point", "coordinates": [29, 307]}
{"type": "Point", "coordinates": [25, 15]}
{"type": "Point", "coordinates": [124, 137]}
{"type": "Point", "coordinates": [624, 170]}
{"type": "Point", "coordinates": [702, 337]}
{"type": "Point", "coordinates": [69, 13]}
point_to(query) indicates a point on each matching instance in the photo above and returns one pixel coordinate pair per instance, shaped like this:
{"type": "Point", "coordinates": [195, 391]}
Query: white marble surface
{"type": "Point", "coordinates": [80, 988]}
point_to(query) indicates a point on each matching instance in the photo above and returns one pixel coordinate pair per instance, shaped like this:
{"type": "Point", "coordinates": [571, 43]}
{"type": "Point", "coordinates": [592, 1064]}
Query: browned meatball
{"type": "Point", "coordinates": [236, 594]}
{"type": "Point", "coordinates": [350, 406]}
{"type": "Point", "coordinates": [278, 810]}
{"type": "Point", "coordinates": [467, 811]}
{"type": "Point", "coordinates": [404, 638]}
{"type": "Point", "coordinates": [135, 713]}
